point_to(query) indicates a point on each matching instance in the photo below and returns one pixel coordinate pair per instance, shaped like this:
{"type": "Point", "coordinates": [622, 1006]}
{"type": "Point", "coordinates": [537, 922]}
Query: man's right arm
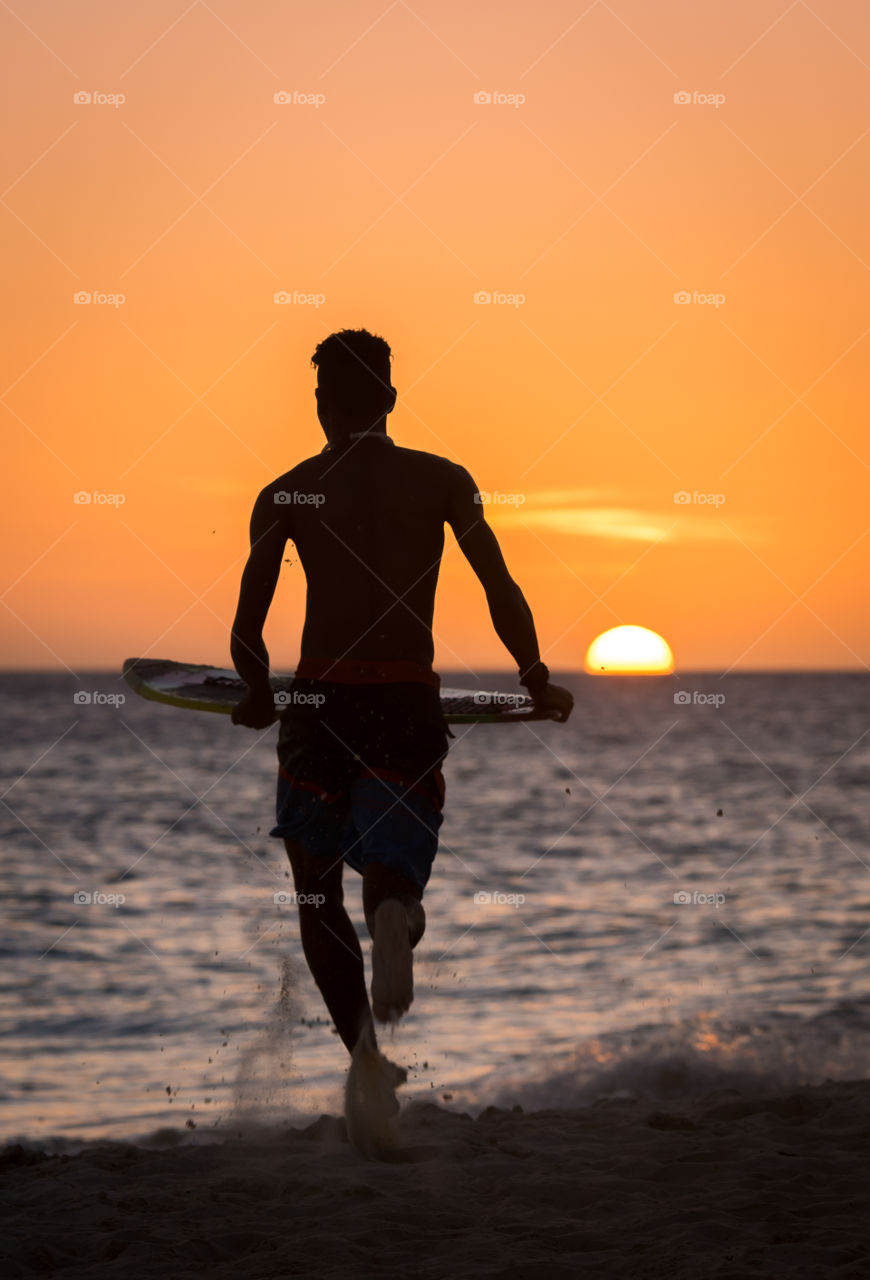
{"type": "Point", "coordinates": [510, 613]}
{"type": "Point", "coordinates": [269, 533]}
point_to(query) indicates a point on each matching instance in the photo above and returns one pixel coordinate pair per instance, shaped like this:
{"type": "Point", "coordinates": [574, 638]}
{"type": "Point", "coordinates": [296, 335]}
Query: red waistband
{"type": "Point", "coordinates": [367, 671]}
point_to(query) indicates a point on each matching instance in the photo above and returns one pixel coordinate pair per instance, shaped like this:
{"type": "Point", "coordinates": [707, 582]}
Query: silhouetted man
{"type": "Point", "coordinates": [362, 736]}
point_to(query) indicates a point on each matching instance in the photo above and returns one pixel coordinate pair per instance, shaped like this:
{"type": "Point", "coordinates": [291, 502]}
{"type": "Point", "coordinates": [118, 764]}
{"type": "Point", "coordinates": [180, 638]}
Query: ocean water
{"type": "Point", "coordinates": [669, 894]}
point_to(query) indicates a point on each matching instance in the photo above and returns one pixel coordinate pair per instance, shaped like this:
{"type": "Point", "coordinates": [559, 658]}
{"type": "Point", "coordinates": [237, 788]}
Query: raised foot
{"type": "Point", "coordinates": [392, 962]}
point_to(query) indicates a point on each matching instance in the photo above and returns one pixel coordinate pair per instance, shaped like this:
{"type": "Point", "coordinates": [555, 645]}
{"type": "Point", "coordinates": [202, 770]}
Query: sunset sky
{"type": "Point", "coordinates": [698, 467]}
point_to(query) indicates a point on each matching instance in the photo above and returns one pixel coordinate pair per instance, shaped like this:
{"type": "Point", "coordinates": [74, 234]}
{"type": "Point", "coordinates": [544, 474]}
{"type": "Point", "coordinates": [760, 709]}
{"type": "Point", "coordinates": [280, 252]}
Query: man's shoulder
{"type": "Point", "coordinates": [420, 455]}
{"type": "Point", "coordinates": [431, 462]}
{"type": "Point", "coordinates": [303, 470]}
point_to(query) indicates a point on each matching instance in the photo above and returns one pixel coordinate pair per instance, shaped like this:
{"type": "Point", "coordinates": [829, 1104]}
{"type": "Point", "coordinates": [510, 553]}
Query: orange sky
{"type": "Point", "coordinates": [397, 198]}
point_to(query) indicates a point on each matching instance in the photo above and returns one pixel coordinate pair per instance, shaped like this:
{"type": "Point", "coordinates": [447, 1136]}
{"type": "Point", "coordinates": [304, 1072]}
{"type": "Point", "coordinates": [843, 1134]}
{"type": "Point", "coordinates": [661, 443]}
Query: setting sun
{"type": "Point", "coordinates": [629, 651]}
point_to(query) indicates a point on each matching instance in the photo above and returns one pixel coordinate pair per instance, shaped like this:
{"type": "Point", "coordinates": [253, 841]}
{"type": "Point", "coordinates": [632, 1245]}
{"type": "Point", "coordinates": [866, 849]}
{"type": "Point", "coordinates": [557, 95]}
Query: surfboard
{"type": "Point", "coordinates": [203, 688]}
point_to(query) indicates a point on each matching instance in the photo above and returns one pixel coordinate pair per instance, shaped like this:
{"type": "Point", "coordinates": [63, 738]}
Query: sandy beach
{"type": "Point", "coordinates": [740, 1185]}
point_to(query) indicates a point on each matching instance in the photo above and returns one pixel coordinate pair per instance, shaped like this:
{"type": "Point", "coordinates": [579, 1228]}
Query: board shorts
{"type": "Point", "coordinates": [359, 766]}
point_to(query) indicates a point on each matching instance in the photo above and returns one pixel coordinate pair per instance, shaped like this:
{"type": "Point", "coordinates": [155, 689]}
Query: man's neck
{"type": "Point", "coordinates": [350, 435]}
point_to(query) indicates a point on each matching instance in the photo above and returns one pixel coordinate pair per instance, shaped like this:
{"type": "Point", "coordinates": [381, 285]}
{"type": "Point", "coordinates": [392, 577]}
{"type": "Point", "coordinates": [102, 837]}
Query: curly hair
{"type": "Point", "coordinates": [353, 367]}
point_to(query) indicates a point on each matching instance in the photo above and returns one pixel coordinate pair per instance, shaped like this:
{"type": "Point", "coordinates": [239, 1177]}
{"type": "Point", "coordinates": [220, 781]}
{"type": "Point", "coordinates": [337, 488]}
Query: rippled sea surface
{"type": "Point", "coordinates": [659, 895]}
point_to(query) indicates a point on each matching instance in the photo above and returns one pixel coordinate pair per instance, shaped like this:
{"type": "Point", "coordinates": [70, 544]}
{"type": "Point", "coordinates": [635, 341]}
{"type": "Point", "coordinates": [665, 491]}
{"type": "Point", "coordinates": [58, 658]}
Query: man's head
{"type": "Point", "coordinates": [354, 392]}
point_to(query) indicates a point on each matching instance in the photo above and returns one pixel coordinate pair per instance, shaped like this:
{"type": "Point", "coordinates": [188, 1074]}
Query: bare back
{"type": "Point", "coordinates": [368, 520]}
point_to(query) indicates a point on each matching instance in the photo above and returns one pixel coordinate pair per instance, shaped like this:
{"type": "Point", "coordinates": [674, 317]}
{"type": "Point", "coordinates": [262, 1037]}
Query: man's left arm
{"type": "Point", "coordinates": [269, 534]}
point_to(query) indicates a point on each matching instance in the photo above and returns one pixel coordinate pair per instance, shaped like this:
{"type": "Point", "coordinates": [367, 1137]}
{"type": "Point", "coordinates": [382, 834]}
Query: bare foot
{"type": "Point", "coordinates": [392, 963]}
{"type": "Point", "coordinates": [370, 1102]}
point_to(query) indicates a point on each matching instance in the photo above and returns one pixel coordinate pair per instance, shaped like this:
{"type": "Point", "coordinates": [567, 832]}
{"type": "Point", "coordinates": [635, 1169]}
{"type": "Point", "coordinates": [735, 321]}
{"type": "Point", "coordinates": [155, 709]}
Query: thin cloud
{"type": "Point", "coordinates": [629, 524]}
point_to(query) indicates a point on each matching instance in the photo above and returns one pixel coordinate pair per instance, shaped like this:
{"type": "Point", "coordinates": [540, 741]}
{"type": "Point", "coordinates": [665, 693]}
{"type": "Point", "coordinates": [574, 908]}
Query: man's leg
{"type": "Point", "coordinates": [396, 920]}
{"type": "Point", "coordinates": [331, 945]}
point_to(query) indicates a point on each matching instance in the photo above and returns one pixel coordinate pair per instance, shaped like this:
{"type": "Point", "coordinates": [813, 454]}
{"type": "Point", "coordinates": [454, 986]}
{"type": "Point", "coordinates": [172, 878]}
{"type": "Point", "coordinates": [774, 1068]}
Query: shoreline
{"type": "Point", "coordinates": [766, 1183]}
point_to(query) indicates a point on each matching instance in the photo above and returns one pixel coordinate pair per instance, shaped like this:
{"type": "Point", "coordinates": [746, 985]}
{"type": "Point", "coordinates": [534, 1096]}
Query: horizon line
{"type": "Point", "coordinates": [565, 671]}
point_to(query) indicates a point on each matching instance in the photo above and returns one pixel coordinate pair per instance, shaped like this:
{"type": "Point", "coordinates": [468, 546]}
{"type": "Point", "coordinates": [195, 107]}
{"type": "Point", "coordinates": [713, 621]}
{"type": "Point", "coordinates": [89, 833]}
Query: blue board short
{"type": "Point", "coordinates": [359, 773]}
